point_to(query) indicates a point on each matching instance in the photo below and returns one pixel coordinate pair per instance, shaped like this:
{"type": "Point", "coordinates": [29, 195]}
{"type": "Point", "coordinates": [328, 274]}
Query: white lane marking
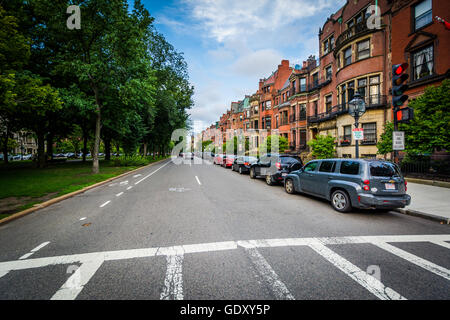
{"type": "Point", "coordinates": [105, 203]}
{"type": "Point", "coordinates": [442, 244]}
{"type": "Point", "coordinates": [372, 284]}
{"type": "Point", "coordinates": [129, 187]}
{"type": "Point", "coordinates": [152, 172]}
{"type": "Point", "coordinates": [34, 250]}
{"type": "Point", "coordinates": [198, 180]}
{"type": "Point", "coordinates": [173, 283]}
{"type": "Point", "coordinates": [137, 175]}
{"type": "Point", "coordinates": [205, 247]}
{"type": "Point", "coordinates": [427, 265]}
{"type": "Point", "coordinates": [124, 183]}
{"type": "Point", "coordinates": [84, 218]}
{"type": "Point", "coordinates": [119, 194]}
{"type": "Point", "coordinates": [278, 288]}
{"type": "Point", "coordinates": [73, 286]}
{"type": "Point", "coordinates": [26, 255]}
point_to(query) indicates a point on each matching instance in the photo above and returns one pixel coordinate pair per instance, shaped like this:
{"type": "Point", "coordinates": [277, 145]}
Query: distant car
{"type": "Point", "coordinates": [347, 183]}
{"type": "Point", "coordinates": [275, 167]}
{"type": "Point", "coordinates": [242, 164]}
{"type": "Point", "coordinates": [27, 157]}
{"type": "Point", "coordinates": [228, 161]}
{"type": "Point", "coordinates": [2, 157]}
{"type": "Point", "coordinates": [188, 155]}
{"type": "Point", "coordinates": [218, 159]}
{"type": "Point", "coordinates": [17, 157]}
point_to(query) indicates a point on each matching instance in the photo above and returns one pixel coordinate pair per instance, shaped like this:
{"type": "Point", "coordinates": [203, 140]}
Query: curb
{"type": "Point", "coordinates": [435, 183]}
{"type": "Point", "coordinates": [429, 216]}
{"type": "Point", "coordinates": [69, 195]}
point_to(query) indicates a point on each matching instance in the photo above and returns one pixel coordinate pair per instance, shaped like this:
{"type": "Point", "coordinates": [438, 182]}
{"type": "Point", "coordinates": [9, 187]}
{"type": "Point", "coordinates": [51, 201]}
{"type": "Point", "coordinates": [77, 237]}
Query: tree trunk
{"type": "Point", "coordinates": [41, 151]}
{"type": "Point", "coordinates": [5, 146]}
{"type": "Point", "coordinates": [107, 149]}
{"type": "Point", "coordinates": [145, 149]}
{"type": "Point", "coordinates": [50, 145]}
{"type": "Point", "coordinates": [84, 145]}
{"type": "Point", "coordinates": [95, 164]}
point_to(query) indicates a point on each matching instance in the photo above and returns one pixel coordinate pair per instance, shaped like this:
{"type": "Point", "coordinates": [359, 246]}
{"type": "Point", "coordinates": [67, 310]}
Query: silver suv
{"type": "Point", "coordinates": [347, 183]}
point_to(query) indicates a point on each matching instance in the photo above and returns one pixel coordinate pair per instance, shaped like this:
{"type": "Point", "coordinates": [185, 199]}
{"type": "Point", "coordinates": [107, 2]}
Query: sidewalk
{"type": "Point", "coordinates": [429, 202]}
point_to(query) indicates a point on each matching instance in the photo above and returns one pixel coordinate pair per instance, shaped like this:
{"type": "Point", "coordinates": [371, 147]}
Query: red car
{"type": "Point", "coordinates": [218, 159]}
{"type": "Point", "coordinates": [228, 161]}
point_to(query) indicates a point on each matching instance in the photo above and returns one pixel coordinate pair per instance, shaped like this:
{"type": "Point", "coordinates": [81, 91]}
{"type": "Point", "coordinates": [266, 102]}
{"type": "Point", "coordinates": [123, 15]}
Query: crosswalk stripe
{"type": "Point", "coordinates": [442, 244]}
{"type": "Point", "coordinates": [73, 286]}
{"type": "Point", "coordinates": [277, 287]}
{"type": "Point", "coordinates": [173, 283]}
{"type": "Point", "coordinates": [372, 284]}
{"type": "Point", "coordinates": [427, 265]}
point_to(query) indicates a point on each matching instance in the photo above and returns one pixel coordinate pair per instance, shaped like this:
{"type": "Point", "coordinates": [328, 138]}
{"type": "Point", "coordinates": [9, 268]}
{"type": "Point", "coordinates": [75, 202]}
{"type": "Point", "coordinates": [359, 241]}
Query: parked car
{"type": "Point", "coordinates": [2, 157]}
{"type": "Point", "coordinates": [275, 167]}
{"type": "Point", "coordinates": [17, 157]}
{"type": "Point", "coordinates": [347, 183]}
{"type": "Point", "coordinates": [27, 157]}
{"type": "Point", "coordinates": [188, 155]}
{"type": "Point", "coordinates": [228, 161]}
{"type": "Point", "coordinates": [242, 164]}
{"type": "Point", "coordinates": [218, 159]}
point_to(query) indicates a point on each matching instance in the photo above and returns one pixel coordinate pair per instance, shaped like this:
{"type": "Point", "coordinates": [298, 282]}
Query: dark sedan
{"type": "Point", "coordinates": [275, 167]}
{"type": "Point", "coordinates": [242, 164]}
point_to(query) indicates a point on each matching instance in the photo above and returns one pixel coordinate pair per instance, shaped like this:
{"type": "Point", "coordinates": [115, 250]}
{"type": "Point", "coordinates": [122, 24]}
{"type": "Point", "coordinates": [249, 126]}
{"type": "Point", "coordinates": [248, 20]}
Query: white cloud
{"type": "Point", "coordinates": [257, 64]}
{"type": "Point", "coordinates": [229, 19]}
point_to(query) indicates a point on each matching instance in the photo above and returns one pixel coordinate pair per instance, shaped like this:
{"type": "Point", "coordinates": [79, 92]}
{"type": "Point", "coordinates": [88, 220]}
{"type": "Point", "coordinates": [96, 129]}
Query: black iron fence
{"type": "Point", "coordinates": [426, 168]}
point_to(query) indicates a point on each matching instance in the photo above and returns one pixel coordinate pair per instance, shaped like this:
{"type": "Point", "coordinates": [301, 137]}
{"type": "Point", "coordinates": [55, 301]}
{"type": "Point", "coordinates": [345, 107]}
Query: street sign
{"type": "Point", "coordinates": [398, 140]}
{"type": "Point", "coordinates": [358, 134]}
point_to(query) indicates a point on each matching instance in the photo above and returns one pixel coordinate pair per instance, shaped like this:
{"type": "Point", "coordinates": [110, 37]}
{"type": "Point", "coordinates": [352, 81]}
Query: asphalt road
{"type": "Point", "coordinates": [198, 231]}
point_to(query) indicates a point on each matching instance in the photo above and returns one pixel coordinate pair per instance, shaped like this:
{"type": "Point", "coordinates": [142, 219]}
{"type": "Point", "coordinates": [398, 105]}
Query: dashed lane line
{"type": "Point", "coordinates": [101, 206]}
{"type": "Point", "coordinates": [198, 180]}
{"type": "Point", "coordinates": [137, 182]}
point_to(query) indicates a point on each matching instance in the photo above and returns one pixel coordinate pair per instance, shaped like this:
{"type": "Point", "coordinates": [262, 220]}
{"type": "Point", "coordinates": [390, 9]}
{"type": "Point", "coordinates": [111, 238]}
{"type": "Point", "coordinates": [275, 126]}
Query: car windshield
{"type": "Point", "coordinates": [383, 169]}
{"type": "Point", "coordinates": [290, 159]}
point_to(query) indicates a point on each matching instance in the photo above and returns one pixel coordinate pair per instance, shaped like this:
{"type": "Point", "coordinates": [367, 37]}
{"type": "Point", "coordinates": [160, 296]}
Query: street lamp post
{"type": "Point", "coordinates": [356, 108]}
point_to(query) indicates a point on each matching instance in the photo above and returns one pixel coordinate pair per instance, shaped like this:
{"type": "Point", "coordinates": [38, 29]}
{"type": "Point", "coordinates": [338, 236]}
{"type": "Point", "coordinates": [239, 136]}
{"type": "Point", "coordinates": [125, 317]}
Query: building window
{"type": "Point", "coordinates": [347, 56]}
{"type": "Point", "coordinates": [268, 123]}
{"type": "Point", "coordinates": [302, 114]}
{"type": "Point", "coordinates": [302, 138]}
{"type": "Point", "coordinates": [363, 49]}
{"type": "Point", "coordinates": [284, 97]}
{"type": "Point", "coordinates": [370, 133]}
{"type": "Point", "coordinates": [374, 83]}
{"type": "Point", "coordinates": [347, 134]}
{"type": "Point", "coordinates": [328, 72]}
{"type": "Point", "coordinates": [351, 90]}
{"type": "Point", "coordinates": [332, 43]}
{"type": "Point", "coordinates": [268, 104]}
{"type": "Point", "coordinates": [328, 103]}
{"type": "Point", "coordinates": [315, 79]}
{"type": "Point", "coordinates": [262, 106]}
{"type": "Point", "coordinates": [423, 14]}
{"type": "Point", "coordinates": [315, 107]}
{"type": "Point", "coordinates": [423, 62]}
{"type": "Point", "coordinates": [343, 94]}
{"type": "Point", "coordinates": [302, 84]}
{"type": "Point", "coordinates": [362, 87]}
{"type": "Point", "coordinates": [326, 47]}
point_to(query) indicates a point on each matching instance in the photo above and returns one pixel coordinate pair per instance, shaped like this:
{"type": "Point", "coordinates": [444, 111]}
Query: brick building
{"type": "Point", "coordinates": [354, 56]}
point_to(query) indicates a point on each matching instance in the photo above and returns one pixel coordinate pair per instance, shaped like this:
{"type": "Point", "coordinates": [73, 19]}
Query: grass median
{"type": "Point", "coordinates": [22, 185]}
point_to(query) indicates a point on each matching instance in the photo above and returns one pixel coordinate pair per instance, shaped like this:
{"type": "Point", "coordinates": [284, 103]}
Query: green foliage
{"type": "Point", "coordinates": [134, 160]}
{"type": "Point", "coordinates": [283, 144]}
{"type": "Point", "coordinates": [323, 147]}
{"type": "Point", "coordinates": [430, 128]}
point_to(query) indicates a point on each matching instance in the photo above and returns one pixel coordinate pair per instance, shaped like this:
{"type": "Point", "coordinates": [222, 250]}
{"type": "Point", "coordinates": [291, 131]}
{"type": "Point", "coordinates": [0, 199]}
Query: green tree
{"type": "Point", "coordinates": [323, 147]}
{"type": "Point", "coordinates": [283, 144]}
{"type": "Point", "coordinates": [430, 128]}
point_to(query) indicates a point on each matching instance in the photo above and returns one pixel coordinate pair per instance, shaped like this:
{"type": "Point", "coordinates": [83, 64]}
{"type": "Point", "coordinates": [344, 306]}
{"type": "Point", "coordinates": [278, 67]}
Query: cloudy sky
{"type": "Point", "coordinates": [230, 44]}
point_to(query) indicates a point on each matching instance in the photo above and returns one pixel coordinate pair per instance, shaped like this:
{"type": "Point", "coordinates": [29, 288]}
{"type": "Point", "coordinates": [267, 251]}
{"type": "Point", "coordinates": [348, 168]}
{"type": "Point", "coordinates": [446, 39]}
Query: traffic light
{"type": "Point", "coordinates": [404, 115]}
{"type": "Point", "coordinates": [398, 78]}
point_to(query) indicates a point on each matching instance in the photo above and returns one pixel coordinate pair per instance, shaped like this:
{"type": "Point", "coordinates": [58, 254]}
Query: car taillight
{"type": "Point", "coordinates": [278, 165]}
{"type": "Point", "coordinates": [246, 163]}
{"type": "Point", "coordinates": [406, 183]}
{"type": "Point", "coordinates": [366, 185]}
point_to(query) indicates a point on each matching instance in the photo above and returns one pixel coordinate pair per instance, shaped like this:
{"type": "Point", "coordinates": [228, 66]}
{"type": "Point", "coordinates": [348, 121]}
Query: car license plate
{"type": "Point", "coordinates": [284, 174]}
{"type": "Point", "coordinates": [389, 186]}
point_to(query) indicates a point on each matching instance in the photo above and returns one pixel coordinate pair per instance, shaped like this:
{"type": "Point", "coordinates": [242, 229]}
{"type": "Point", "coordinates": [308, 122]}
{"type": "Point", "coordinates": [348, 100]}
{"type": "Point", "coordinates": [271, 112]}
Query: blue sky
{"type": "Point", "coordinates": [230, 44]}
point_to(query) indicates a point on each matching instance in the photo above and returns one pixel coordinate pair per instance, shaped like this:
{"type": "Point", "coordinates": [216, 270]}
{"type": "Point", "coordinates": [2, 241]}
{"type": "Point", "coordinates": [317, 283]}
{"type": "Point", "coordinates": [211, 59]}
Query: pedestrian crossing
{"type": "Point", "coordinates": [85, 266]}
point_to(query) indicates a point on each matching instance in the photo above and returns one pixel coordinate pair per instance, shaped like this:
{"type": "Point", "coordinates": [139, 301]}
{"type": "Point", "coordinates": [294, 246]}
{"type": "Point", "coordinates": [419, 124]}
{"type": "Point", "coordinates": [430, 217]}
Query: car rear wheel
{"type": "Point", "coordinates": [240, 170]}
{"type": "Point", "coordinates": [252, 173]}
{"type": "Point", "coordinates": [289, 186]}
{"type": "Point", "coordinates": [340, 201]}
{"type": "Point", "coordinates": [269, 180]}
